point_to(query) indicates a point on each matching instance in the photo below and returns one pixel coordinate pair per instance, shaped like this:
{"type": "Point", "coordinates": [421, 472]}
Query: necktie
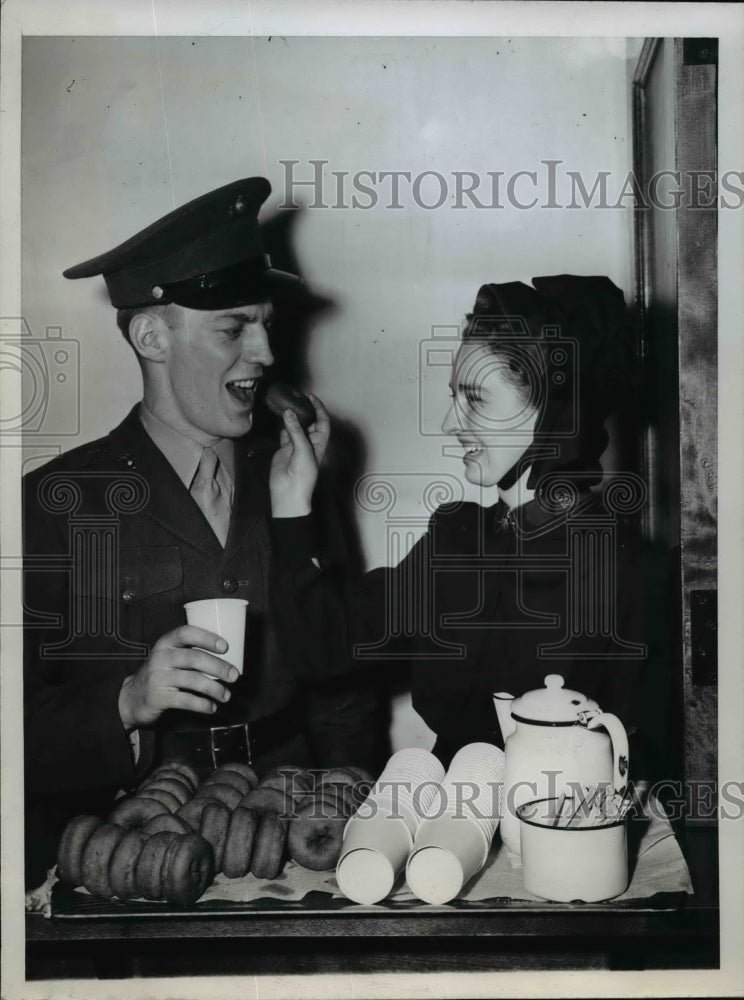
{"type": "Point", "coordinates": [205, 489]}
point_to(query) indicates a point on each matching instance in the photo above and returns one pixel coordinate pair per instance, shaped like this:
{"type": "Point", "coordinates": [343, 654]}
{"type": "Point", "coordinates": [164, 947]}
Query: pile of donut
{"type": "Point", "coordinates": [169, 839]}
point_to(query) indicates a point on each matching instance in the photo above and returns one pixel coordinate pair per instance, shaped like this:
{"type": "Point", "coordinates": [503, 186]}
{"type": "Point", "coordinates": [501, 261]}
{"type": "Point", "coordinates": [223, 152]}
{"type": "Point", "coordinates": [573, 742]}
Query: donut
{"type": "Point", "coordinates": [189, 871]}
{"type": "Point", "coordinates": [361, 774]}
{"type": "Point", "coordinates": [286, 785]}
{"type": "Point", "coordinates": [270, 800]}
{"type": "Point", "coordinates": [213, 828]}
{"type": "Point", "coordinates": [269, 846]}
{"type": "Point", "coordinates": [289, 778]}
{"type": "Point", "coordinates": [169, 800]}
{"type": "Point", "coordinates": [150, 863]}
{"type": "Point", "coordinates": [316, 836]}
{"type": "Point", "coordinates": [226, 794]}
{"type": "Point", "coordinates": [168, 857]}
{"type": "Point", "coordinates": [71, 846]}
{"type": "Point", "coordinates": [238, 781]}
{"type": "Point", "coordinates": [97, 856]}
{"type": "Point", "coordinates": [192, 811]}
{"type": "Point", "coordinates": [168, 774]}
{"type": "Point", "coordinates": [280, 396]}
{"type": "Point", "coordinates": [166, 821]}
{"type": "Point", "coordinates": [135, 811]}
{"type": "Point", "coordinates": [181, 766]}
{"type": "Point", "coordinates": [300, 800]}
{"type": "Point", "coordinates": [341, 795]}
{"type": "Point", "coordinates": [180, 789]}
{"type": "Point", "coordinates": [239, 843]}
{"type": "Point", "coordinates": [123, 864]}
{"type": "Point", "coordinates": [245, 769]}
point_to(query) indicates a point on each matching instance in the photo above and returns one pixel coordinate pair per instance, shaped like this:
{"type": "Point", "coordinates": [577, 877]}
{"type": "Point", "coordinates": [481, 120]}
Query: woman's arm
{"type": "Point", "coordinates": [329, 620]}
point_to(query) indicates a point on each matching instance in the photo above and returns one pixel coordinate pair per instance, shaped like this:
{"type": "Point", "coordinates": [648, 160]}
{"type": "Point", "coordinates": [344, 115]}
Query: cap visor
{"type": "Point", "coordinates": [271, 285]}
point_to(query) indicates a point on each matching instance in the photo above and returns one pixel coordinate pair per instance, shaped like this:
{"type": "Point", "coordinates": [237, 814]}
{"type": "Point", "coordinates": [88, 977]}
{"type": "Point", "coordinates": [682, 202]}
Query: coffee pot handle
{"type": "Point", "coordinates": [620, 754]}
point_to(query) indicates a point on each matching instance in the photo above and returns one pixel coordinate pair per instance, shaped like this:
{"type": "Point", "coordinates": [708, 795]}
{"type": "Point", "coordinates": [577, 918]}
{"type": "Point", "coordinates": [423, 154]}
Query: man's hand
{"type": "Point", "coordinates": [175, 676]}
{"type": "Point", "coordinates": [294, 468]}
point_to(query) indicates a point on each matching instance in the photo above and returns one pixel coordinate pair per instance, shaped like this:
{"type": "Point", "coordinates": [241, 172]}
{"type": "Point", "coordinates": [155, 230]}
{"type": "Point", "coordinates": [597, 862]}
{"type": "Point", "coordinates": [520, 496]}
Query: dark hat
{"type": "Point", "coordinates": [586, 313]}
{"type": "Point", "coordinates": [206, 254]}
{"type": "Point", "coordinates": [511, 308]}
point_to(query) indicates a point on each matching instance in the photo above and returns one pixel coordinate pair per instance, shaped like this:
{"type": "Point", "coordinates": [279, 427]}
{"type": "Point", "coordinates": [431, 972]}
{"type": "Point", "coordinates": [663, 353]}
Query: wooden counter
{"type": "Point", "coordinates": [666, 931]}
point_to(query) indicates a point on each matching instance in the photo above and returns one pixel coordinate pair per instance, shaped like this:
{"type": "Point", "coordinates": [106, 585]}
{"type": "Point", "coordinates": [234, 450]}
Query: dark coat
{"type": "Point", "coordinates": [91, 619]}
{"type": "Point", "coordinates": [486, 603]}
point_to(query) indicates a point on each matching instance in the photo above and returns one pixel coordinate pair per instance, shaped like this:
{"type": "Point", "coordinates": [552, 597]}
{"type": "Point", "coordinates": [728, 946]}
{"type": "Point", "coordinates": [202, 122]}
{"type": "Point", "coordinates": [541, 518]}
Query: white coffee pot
{"type": "Point", "coordinates": [553, 744]}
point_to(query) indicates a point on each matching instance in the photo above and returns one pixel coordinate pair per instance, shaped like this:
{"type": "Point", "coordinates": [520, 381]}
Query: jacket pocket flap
{"type": "Point", "coordinates": [142, 573]}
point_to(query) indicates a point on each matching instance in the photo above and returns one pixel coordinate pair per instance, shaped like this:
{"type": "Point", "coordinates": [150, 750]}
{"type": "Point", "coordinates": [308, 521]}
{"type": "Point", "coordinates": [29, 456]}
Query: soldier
{"type": "Point", "coordinates": [114, 678]}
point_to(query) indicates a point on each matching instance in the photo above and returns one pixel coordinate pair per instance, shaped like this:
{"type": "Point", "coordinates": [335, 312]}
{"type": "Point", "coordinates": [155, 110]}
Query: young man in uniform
{"type": "Point", "coordinates": [172, 506]}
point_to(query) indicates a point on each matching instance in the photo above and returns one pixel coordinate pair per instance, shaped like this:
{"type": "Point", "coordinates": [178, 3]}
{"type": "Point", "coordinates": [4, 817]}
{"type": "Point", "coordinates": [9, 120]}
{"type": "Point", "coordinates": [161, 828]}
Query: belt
{"type": "Point", "coordinates": [245, 741]}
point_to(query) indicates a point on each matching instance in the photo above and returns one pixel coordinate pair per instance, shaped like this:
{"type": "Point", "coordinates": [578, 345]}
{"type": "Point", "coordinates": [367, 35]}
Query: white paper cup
{"type": "Point", "coordinates": [374, 851]}
{"type": "Point", "coordinates": [478, 761]}
{"type": "Point", "coordinates": [447, 852]}
{"type": "Point", "coordinates": [389, 807]}
{"type": "Point", "coordinates": [473, 786]}
{"type": "Point", "coordinates": [414, 765]}
{"type": "Point", "coordinates": [479, 801]}
{"type": "Point", "coordinates": [463, 837]}
{"type": "Point", "coordinates": [226, 617]}
{"type": "Point", "coordinates": [407, 786]}
{"type": "Point", "coordinates": [588, 863]}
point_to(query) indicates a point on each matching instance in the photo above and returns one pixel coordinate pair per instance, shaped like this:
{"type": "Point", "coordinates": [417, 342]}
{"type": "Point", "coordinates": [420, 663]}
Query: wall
{"type": "Point", "coordinates": [117, 131]}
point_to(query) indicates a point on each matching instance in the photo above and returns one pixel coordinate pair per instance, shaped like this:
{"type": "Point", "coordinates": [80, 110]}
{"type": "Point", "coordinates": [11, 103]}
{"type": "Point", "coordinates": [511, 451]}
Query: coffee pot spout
{"type": "Point", "coordinates": [502, 703]}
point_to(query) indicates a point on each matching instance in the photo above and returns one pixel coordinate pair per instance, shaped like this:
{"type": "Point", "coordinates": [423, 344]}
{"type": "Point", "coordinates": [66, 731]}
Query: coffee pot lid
{"type": "Point", "coordinates": [552, 703]}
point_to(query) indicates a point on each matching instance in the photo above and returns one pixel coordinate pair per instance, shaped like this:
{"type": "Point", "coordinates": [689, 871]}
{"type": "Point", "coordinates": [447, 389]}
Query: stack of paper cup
{"type": "Point", "coordinates": [408, 786]}
{"type": "Point", "coordinates": [452, 844]}
{"type": "Point", "coordinates": [473, 786]}
{"type": "Point", "coordinates": [379, 837]}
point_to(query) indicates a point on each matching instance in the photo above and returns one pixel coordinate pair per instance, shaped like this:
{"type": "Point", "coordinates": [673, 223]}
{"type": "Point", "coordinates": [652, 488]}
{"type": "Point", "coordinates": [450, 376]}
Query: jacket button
{"type": "Point", "coordinates": [229, 585]}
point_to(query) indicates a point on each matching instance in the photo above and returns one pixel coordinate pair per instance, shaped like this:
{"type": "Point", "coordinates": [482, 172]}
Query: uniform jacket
{"type": "Point", "coordinates": [114, 546]}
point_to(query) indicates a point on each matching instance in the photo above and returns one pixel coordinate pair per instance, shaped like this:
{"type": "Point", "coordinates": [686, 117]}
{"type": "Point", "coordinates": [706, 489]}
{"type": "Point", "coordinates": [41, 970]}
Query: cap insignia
{"type": "Point", "coordinates": [239, 206]}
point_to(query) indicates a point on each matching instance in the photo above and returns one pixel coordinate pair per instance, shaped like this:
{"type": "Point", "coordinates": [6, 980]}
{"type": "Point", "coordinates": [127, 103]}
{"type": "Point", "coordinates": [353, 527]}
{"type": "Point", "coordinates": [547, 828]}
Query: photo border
{"type": "Point", "coordinates": [400, 17]}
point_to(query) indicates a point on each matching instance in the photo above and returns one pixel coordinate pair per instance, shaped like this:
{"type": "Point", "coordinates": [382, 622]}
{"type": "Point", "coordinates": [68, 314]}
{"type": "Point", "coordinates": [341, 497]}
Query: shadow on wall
{"type": "Point", "coordinates": [294, 323]}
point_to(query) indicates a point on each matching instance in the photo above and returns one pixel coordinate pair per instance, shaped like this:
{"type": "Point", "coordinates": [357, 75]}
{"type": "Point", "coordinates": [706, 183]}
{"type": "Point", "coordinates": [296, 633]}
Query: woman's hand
{"type": "Point", "coordinates": [294, 468]}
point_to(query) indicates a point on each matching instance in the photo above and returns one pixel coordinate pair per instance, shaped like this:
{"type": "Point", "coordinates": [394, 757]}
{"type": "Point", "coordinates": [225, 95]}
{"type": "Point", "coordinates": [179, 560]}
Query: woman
{"type": "Point", "coordinates": [548, 580]}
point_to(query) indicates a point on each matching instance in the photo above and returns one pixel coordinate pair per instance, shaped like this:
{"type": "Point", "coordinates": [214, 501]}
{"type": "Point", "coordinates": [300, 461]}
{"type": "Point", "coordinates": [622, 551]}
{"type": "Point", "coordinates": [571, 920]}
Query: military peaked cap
{"type": "Point", "coordinates": [206, 254]}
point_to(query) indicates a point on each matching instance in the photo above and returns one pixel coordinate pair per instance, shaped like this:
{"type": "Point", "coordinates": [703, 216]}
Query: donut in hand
{"type": "Point", "coordinates": [280, 397]}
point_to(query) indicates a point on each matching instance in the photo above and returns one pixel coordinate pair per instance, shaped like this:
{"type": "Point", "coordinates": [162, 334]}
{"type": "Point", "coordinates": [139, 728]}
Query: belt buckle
{"type": "Point", "coordinates": [216, 750]}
